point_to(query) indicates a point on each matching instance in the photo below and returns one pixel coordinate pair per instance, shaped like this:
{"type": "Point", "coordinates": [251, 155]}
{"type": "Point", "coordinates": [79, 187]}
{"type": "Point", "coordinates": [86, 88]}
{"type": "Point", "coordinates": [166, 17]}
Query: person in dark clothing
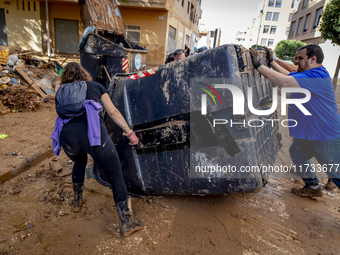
{"type": "Point", "coordinates": [170, 58]}
{"type": "Point", "coordinates": [75, 140]}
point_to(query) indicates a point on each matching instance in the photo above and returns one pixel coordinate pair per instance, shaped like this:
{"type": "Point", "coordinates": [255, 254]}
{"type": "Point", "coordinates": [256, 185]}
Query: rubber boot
{"type": "Point", "coordinates": [78, 196]}
{"type": "Point", "coordinates": [129, 224]}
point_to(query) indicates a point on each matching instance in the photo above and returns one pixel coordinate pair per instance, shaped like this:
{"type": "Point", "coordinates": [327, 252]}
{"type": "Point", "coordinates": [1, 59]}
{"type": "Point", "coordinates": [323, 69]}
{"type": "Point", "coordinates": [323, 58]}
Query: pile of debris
{"type": "Point", "coordinates": [26, 81]}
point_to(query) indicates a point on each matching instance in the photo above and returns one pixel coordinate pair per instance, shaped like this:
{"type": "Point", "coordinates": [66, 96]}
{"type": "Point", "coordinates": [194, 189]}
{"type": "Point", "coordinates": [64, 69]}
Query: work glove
{"type": "Point", "coordinates": [269, 55]}
{"type": "Point", "coordinates": [255, 57]}
{"type": "Point", "coordinates": [132, 137]}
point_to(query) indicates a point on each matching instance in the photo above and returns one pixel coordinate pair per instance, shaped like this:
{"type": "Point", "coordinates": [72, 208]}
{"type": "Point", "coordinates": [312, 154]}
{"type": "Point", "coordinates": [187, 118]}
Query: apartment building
{"type": "Point", "coordinates": [240, 38]}
{"type": "Point", "coordinates": [306, 20]}
{"type": "Point", "coordinates": [161, 26]}
{"type": "Point", "coordinates": [305, 27]}
{"type": "Point", "coordinates": [272, 24]}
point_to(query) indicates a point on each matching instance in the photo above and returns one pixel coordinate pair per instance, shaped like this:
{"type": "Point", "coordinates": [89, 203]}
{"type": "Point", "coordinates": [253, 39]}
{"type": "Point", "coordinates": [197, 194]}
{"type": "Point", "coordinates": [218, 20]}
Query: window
{"type": "Point", "coordinates": [317, 18]}
{"type": "Point", "coordinates": [265, 29]}
{"type": "Point", "coordinates": [278, 3]}
{"type": "Point", "coordinates": [171, 40]}
{"type": "Point", "coordinates": [263, 42]}
{"type": "Point", "coordinates": [254, 20]}
{"type": "Point", "coordinates": [23, 5]}
{"type": "Point", "coordinates": [34, 7]}
{"type": "Point", "coordinates": [287, 30]}
{"type": "Point", "coordinates": [269, 16]}
{"type": "Point", "coordinates": [276, 16]}
{"type": "Point", "coordinates": [293, 3]}
{"type": "Point", "coordinates": [270, 42]}
{"type": "Point", "coordinates": [290, 17]}
{"type": "Point", "coordinates": [273, 30]}
{"type": "Point", "coordinates": [28, 6]}
{"type": "Point", "coordinates": [188, 7]}
{"type": "Point", "coordinates": [299, 26]}
{"type": "Point", "coordinates": [133, 33]}
{"type": "Point", "coordinates": [304, 3]}
{"type": "Point", "coordinates": [182, 2]}
{"type": "Point", "coordinates": [292, 29]}
{"type": "Point", "coordinates": [271, 3]}
{"type": "Point", "coordinates": [306, 23]}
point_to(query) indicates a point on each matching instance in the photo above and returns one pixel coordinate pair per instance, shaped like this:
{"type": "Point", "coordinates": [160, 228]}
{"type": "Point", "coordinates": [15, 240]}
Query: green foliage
{"type": "Point", "coordinates": [286, 49]}
{"type": "Point", "coordinates": [330, 22]}
{"type": "Point", "coordinates": [258, 46]}
{"type": "Point", "coordinates": [125, 1]}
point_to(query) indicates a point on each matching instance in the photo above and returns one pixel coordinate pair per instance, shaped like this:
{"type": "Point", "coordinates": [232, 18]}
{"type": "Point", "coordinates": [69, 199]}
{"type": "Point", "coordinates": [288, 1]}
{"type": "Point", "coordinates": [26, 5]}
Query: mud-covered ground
{"type": "Point", "coordinates": [36, 217]}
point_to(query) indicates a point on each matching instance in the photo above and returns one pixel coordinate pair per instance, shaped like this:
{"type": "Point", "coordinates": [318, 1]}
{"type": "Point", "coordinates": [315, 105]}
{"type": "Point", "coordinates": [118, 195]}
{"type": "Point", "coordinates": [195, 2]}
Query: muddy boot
{"type": "Point", "coordinates": [307, 191]}
{"type": "Point", "coordinates": [78, 196]}
{"type": "Point", "coordinates": [330, 185]}
{"type": "Point", "coordinates": [129, 224]}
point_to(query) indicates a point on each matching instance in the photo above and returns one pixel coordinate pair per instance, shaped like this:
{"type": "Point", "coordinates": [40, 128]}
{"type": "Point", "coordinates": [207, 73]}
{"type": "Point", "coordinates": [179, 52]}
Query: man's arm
{"type": "Point", "coordinates": [286, 65]}
{"type": "Point", "coordinates": [278, 68]}
{"type": "Point", "coordinates": [278, 79]}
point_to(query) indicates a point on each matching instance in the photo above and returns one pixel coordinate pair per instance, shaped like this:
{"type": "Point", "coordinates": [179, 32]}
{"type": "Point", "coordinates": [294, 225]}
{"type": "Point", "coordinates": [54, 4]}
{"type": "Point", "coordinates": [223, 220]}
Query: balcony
{"type": "Point", "coordinates": [152, 4]}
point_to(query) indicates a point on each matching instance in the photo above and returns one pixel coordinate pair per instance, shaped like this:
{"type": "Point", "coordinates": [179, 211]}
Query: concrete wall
{"type": "Point", "coordinates": [23, 26]}
{"type": "Point", "coordinates": [153, 32]}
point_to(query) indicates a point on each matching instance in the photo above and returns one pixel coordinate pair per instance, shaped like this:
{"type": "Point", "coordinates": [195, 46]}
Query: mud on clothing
{"type": "Point", "coordinates": [316, 135]}
{"type": "Point", "coordinates": [74, 140]}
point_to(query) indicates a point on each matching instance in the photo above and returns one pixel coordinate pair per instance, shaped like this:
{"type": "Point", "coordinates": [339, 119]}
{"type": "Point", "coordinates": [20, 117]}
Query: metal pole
{"type": "Point", "coordinates": [258, 33]}
{"type": "Point", "coordinates": [48, 32]}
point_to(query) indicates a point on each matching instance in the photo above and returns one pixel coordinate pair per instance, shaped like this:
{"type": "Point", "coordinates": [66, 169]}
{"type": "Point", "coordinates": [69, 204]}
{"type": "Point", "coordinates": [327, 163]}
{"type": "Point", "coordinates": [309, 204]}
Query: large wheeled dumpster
{"type": "Point", "coordinates": [104, 50]}
{"type": "Point", "coordinates": [179, 143]}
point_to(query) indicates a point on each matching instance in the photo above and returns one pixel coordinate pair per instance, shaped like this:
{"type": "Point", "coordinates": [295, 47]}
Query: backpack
{"type": "Point", "coordinates": [70, 98]}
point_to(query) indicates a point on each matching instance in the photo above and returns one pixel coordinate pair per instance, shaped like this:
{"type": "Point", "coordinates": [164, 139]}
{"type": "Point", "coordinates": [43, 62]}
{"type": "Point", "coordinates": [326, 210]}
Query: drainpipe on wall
{"type": "Point", "coordinates": [48, 32]}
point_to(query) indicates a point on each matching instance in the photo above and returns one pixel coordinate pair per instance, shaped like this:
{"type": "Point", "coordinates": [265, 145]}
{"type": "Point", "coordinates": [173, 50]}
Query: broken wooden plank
{"type": "Point", "coordinates": [30, 82]}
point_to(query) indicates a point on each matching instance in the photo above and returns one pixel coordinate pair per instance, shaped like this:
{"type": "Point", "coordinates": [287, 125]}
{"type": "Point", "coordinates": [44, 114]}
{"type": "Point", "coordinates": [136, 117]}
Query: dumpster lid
{"type": "Point", "coordinates": [105, 15]}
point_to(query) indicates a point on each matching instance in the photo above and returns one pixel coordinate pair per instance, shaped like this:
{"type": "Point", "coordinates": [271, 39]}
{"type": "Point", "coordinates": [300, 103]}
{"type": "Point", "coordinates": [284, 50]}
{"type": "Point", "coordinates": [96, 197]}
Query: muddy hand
{"type": "Point", "coordinates": [255, 57]}
{"type": "Point", "coordinates": [269, 55]}
{"type": "Point", "coordinates": [132, 137]}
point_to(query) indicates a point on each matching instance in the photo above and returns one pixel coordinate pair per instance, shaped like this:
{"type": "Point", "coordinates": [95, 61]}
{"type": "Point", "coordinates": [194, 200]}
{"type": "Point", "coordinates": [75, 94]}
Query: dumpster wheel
{"type": "Point", "coordinates": [101, 179]}
{"type": "Point", "coordinates": [100, 176]}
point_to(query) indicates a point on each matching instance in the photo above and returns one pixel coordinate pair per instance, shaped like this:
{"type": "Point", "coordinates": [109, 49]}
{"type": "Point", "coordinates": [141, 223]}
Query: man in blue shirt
{"type": "Point", "coordinates": [316, 135]}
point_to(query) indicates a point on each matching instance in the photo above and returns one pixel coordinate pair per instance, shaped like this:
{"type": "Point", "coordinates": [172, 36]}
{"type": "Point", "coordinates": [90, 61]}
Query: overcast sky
{"type": "Point", "coordinates": [230, 15]}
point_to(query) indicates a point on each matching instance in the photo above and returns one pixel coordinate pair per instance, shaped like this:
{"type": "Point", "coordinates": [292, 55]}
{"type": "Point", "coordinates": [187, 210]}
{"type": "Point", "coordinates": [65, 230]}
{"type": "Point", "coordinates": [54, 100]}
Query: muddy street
{"type": "Point", "coordinates": [36, 215]}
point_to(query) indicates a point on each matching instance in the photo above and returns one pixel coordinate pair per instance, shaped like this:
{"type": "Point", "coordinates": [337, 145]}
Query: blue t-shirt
{"type": "Point", "coordinates": [324, 123]}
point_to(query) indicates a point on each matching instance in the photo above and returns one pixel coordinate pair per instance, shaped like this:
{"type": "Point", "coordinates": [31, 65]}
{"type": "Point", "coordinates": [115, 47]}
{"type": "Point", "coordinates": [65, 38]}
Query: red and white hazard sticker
{"type": "Point", "coordinates": [125, 63]}
{"type": "Point", "coordinates": [142, 75]}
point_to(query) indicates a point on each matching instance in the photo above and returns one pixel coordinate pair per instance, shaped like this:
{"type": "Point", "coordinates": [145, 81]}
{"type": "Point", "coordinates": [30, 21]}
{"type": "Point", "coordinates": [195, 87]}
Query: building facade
{"type": "Point", "coordinates": [162, 26]}
{"type": "Point", "coordinates": [272, 24]}
{"type": "Point", "coordinates": [305, 27]}
{"type": "Point", "coordinates": [306, 20]}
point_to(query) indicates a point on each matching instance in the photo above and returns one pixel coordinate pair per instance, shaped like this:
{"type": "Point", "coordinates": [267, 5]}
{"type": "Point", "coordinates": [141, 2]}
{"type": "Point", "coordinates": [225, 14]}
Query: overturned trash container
{"type": "Point", "coordinates": [104, 50]}
{"type": "Point", "coordinates": [191, 142]}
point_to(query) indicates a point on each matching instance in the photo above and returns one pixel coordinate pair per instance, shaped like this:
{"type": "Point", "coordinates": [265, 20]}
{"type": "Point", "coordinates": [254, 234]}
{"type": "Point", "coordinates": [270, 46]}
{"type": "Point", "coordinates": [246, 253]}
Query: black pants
{"type": "Point", "coordinates": [74, 141]}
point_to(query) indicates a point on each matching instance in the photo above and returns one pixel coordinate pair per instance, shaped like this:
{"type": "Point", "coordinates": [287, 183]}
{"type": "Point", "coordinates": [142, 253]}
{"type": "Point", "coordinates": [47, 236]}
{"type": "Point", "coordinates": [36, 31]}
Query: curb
{"type": "Point", "coordinates": [26, 164]}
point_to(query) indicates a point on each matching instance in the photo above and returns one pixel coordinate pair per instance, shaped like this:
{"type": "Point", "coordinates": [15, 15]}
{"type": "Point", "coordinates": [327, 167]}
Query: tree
{"type": "Point", "coordinates": [330, 29]}
{"type": "Point", "coordinates": [286, 49]}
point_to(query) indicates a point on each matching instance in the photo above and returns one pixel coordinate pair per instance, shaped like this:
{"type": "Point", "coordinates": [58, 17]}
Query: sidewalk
{"type": "Point", "coordinates": [28, 141]}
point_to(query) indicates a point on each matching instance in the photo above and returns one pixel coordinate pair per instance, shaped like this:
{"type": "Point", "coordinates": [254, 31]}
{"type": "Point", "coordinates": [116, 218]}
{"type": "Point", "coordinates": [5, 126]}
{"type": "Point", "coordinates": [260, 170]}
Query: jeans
{"type": "Point", "coordinates": [326, 152]}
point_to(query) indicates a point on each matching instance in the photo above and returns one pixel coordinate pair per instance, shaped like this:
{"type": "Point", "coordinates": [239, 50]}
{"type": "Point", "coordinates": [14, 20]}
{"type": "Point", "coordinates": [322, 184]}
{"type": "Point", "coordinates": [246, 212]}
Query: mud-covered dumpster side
{"type": "Point", "coordinates": [159, 105]}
